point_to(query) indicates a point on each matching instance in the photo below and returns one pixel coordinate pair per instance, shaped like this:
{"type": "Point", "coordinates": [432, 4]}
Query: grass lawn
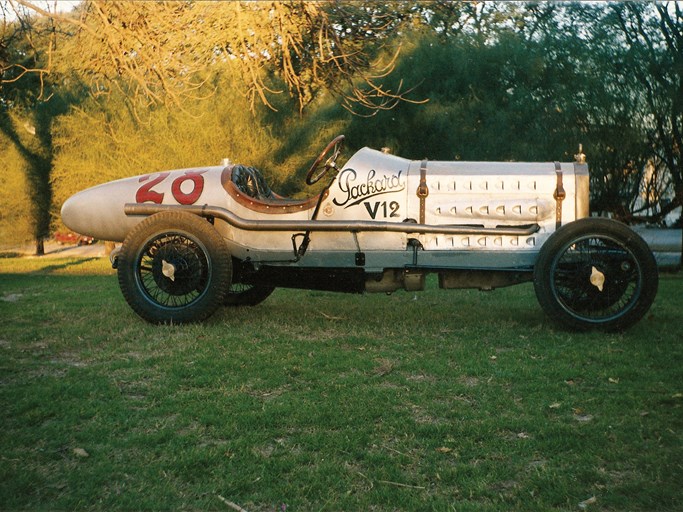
{"type": "Point", "coordinates": [441, 400]}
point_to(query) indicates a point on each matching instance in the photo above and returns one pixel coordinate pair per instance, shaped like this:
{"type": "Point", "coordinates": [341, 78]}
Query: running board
{"type": "Point", "coordinates": [326, 225]}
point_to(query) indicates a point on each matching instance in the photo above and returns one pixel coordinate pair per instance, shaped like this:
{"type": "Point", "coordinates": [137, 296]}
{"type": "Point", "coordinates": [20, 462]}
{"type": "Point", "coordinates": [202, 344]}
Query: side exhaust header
{"type": "Point", "coordinates": [326, 225]}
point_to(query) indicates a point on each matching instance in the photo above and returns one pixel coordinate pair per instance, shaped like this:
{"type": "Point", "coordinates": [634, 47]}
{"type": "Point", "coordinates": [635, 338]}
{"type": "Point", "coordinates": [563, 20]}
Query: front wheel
{"type": "Point", "coordinates": [174, 268]}
{"type": "Point", "coordinates": [595, 273]}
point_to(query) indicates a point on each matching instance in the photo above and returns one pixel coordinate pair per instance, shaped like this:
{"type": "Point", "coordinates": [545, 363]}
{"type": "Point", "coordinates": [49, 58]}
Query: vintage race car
{"type": "Point", "coordinates": [198, 239]}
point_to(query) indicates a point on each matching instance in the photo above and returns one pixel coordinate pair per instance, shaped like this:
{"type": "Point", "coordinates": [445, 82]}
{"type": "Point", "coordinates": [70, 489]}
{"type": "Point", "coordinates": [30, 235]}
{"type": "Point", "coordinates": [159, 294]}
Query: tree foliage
{"type": "Point", "coordinates": [507, 82]}
{"type": "Point", "coordinates": [159, 52]}
{"type": "Point", "coordinates": [654, 58]}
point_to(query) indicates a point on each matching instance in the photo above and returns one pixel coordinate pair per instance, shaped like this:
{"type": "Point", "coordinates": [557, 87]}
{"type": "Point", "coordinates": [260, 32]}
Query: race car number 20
{"type": "Point", "coordinates": [186, 189]}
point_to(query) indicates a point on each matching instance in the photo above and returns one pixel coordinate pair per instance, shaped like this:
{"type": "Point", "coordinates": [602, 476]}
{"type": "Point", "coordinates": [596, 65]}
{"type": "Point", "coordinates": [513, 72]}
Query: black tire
{"type": "Point", "coordinates": [247, 294]}
{"type": "Point", "coordinates": [586, 255]}
{"type": "Point", "coordinates": [174, 268]}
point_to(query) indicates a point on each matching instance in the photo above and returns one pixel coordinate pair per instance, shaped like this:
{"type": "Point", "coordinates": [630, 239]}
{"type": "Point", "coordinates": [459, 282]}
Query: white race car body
{"type": "Point", "coordinates": [381, 224]}
{"type": "Point", "coordinates": [372, 187]}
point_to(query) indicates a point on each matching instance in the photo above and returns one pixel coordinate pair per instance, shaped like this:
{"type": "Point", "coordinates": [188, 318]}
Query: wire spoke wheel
{"type": "Point", "coordinates": [596, 278]}
{"type": "Point", "coordinates": [173, 270]}
{"type": "Point", "coordinates": [595, 273]}
{"type": "Point", "coordinates": [174, 267]}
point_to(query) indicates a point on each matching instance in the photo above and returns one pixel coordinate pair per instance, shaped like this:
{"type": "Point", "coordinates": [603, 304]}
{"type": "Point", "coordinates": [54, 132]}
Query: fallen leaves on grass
{"type": "Point", "coordinates": [330, 317]}
{"type": "Point", "coordinates": [230, 504]}
{"type": "Point", "coordinates": [585, 503]}
{"type": "Point", "coordinates": [398, 484]}
{"type": "Point", "coordinates": [80, 452]}
{"type": "Point", "coordinates": [385, 367]}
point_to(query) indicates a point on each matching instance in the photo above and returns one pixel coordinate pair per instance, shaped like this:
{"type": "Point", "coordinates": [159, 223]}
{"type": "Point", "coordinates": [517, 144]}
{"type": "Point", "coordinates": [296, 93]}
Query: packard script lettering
{"type": "Point", "coordinates": [358, 190]}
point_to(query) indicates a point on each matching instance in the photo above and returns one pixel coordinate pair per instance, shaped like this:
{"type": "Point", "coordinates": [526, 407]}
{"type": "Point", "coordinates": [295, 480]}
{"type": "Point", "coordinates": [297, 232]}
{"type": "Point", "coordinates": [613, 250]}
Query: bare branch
{"type": "Point", "coordinates": [162, 52]}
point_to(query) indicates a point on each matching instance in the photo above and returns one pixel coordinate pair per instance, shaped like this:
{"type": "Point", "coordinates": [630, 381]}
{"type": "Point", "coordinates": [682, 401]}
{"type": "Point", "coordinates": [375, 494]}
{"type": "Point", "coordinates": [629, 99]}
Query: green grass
{"type": "Point", "coordinates": [441, 400]}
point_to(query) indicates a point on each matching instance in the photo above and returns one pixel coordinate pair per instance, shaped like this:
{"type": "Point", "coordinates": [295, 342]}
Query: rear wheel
{"type": "Point", "coordinates": [174, 268]}
{"type": "Point", "coordinates": [595, 273]}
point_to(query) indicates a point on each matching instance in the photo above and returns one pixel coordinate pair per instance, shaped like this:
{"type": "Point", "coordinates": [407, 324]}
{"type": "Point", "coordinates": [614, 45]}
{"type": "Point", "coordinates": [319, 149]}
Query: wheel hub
{"type": "Point", "coordinates": [177, 269]}
{"type": "Point", "coordinates": [168, 269]}
{"type": "Point", "coordinates": [597, 278]}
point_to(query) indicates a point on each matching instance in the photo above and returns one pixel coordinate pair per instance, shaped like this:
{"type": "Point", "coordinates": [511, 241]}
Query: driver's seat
{"type": "Point", "coordinates": [251, 182]}
{"type": "Point", "coordinates": [247, 186]}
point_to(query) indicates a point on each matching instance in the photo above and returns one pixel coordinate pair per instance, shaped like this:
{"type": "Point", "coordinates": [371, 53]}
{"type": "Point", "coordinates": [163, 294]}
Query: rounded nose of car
{"type": "Point", "coordinates": [97, 212]}
{"type": "Point", "coordinates": [75, 211]}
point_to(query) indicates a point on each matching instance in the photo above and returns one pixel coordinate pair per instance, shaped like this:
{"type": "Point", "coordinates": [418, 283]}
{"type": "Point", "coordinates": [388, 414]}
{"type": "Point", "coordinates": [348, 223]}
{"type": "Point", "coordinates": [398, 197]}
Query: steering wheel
{"type": "Point", "coordinates": [314, 173]}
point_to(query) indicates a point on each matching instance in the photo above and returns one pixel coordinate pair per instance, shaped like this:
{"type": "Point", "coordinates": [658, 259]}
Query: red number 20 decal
{"type": "Point", "coordinates": [145, 192]}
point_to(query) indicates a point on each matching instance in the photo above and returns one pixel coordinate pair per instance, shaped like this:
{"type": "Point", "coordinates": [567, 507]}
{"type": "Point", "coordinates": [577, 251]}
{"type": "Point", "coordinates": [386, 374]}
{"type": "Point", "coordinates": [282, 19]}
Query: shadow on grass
{"type": "Point", "coordinates": [10, 254]}
{"type": "Point", "coordinates": [67, 264]}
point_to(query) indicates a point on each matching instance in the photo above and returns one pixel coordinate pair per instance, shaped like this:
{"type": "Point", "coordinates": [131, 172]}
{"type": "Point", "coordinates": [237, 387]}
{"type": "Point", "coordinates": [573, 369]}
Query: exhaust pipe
{"type": "Point", "coordinates": [326, 225]}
